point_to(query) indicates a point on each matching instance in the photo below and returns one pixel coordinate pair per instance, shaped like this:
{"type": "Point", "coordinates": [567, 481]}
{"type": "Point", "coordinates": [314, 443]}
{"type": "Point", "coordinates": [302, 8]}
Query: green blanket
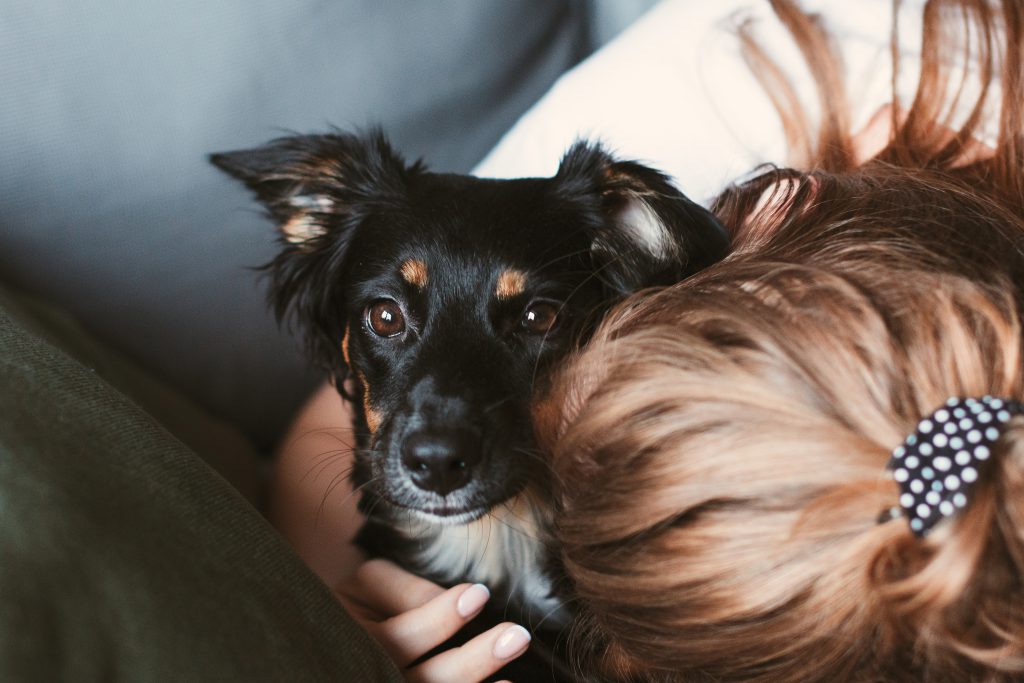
{"type": "Point", "coordinates": [124, 556]}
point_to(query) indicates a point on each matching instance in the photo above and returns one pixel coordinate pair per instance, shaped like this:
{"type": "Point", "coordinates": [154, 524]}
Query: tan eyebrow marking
{"type": "Point", "coordinates": [415, 273]}
{"type": "Point", "coordinates": [510, 283]}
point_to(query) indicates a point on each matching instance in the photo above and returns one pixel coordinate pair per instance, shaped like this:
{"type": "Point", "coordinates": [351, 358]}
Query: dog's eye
{"type": "Point", "coordinates": [385, 318]}
{"type": "Point", "coordinates": [540, 317]}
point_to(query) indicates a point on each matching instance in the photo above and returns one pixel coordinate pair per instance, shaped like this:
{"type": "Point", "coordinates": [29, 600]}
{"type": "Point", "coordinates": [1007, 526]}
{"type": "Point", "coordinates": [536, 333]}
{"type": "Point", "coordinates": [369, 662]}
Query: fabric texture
{"type": "Point", "coordinates": [109, 209]}
{"type": "Point", "coordinates": [125, 558]}
{"type": "Point", "coordinates": [217, 442]}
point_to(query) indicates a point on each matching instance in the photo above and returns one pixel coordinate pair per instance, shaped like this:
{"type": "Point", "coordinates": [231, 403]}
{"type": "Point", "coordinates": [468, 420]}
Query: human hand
{"type": "Point", "coordinates": [410, 616]}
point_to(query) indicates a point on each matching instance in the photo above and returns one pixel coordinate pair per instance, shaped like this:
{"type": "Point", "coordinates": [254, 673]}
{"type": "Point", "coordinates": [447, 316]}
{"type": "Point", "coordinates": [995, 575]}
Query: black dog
{"type": "Point", "coordinates": [440, 302]}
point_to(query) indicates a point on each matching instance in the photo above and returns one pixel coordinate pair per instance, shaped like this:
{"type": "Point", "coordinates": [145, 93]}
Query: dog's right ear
{"type": "Point", "coordinates": [318, 189]}
{"type": "Point", "coordinates": [312, 185]}
{"type": "Point", "coordinates": [650, 233]}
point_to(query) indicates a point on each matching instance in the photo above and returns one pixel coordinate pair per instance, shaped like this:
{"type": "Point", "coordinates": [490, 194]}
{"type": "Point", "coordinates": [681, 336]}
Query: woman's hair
{"type": "Point", "coordinates": [722, 444]}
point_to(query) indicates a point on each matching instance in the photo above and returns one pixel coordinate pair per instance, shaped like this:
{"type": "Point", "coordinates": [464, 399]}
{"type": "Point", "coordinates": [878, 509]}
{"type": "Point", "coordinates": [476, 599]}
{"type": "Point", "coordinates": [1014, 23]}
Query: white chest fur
{"type": "Point", "coordinates": [503, 548]}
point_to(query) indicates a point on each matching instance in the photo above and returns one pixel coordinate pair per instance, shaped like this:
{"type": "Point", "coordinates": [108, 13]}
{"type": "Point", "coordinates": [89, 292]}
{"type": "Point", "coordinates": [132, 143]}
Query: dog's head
{"type": "Point", "coordinates": [444, 299]}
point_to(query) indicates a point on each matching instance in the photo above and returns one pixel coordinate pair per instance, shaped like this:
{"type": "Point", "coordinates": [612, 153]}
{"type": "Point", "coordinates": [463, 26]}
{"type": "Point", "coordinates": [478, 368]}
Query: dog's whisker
{"type": "Point", "coordinates": [331, 431]}
{"type": "Point", "coordinates": [468, 554]}
{"type": "Point", "coordinates": [318, 468]}
{"type": "Point", "coordinates": [497, 404]}
{"type": "Point", "coordinates": [336, 481]}
{"type": "Point", "coordinates": [512, 527]}
{"type": "Point", "coordinates": [321, 461]}
{"type": "Point", "coordinates": [543, 460]}
{"type": "Point", "coordinates": [409, 521]}
{"type": "Point", "coordinates": [330, 453]}
{"type": "Point", "coordinates": [537, 455]}
{"type": "Point", "coordinates": [323, 467]}
{"type": "Point", "coordinates": [356, 490]}
{"type": "Point", "coordinates": [563, 257]}
{"type": "Point", "coordinates": [374, 501]}
{"type": "Point", "coordinates": [334, 432]}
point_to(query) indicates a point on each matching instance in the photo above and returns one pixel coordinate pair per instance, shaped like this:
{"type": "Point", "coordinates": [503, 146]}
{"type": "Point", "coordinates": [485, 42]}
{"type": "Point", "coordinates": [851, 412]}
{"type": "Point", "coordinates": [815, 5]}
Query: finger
{"type": "Point", "coordinates": [360, 612]}
{"type": "Point", "coordinates": [387, 589]}
{"type": "Point", "coordinates": [475, 660]}
{"type": "Point", "coordinates": [412, 634]}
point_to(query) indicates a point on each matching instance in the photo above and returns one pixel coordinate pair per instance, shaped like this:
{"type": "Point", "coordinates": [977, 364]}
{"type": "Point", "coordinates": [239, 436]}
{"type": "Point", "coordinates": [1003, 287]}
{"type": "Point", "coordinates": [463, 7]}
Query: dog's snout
{"type": "Point", "coordinates": [441, 461]}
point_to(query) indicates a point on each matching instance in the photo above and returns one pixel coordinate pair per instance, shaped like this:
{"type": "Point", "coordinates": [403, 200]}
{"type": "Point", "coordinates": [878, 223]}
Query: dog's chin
{"type": "Point", "coordinates": [438, 512]}
{"type": "Point", "coordinates": [445, 517]}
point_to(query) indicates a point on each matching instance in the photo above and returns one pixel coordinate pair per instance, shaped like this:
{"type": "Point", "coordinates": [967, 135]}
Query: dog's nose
{"type": "Point", "coordinates": [440, 461]}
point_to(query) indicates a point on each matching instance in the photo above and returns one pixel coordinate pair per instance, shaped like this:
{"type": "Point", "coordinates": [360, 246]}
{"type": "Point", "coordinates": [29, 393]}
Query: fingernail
{"type": "Point", "coordinates": [472, 600]}
{"type": "Point", "coordinates": [512, 642]}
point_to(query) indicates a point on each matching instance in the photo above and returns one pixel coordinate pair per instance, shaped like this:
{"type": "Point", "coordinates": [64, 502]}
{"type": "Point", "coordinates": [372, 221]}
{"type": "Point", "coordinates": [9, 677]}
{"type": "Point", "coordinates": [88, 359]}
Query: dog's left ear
{"type": "Point", "coordinates": [650, 233]}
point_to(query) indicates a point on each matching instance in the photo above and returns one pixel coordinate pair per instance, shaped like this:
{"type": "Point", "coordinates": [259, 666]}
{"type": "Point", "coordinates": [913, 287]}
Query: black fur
{"type": "Point", "coordinates": [456, 386]}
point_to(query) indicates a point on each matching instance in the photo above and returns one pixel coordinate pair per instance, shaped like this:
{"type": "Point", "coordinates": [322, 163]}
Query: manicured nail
{"type": "Point", "coordinates": [512, 642]}
{"type": "Point", "coordinates": [472, 600]}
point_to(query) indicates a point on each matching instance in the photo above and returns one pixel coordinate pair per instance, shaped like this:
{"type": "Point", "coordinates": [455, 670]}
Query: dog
{"type": "Point", "coordinates": [440, 303]}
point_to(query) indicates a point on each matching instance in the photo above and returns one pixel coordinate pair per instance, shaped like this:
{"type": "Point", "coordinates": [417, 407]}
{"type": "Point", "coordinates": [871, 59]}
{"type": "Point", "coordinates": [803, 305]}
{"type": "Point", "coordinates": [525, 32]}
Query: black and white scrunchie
{"type": "Point", "coordinates": [937, 465]}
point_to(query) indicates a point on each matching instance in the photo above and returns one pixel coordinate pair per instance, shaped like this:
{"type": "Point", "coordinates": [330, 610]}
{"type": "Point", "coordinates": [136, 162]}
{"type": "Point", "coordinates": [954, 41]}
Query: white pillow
{"type": "Point", "coordinates": [672, 91]}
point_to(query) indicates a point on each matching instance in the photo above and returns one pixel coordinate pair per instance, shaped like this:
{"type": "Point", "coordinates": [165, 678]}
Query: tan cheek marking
{"type": "Point", "coordinates": [415, 273]}
{"type": "Point", "coordinates": [344, 348]}
{"type": "Point", "coordinates": [373, 416]}
{"type": "Point", "coordinates": [546, 417]}
{"type": "Point", "coordinates": [511, 283]}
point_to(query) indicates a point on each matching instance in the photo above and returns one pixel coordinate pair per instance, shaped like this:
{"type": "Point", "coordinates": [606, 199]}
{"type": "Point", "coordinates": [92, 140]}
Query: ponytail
{"type": "Point", "coordinates": [960, 592]}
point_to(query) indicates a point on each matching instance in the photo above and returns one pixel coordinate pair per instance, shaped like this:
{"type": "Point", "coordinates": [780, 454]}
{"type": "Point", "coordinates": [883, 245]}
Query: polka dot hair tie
{"type": "Point", "coordinates": [937, 465]}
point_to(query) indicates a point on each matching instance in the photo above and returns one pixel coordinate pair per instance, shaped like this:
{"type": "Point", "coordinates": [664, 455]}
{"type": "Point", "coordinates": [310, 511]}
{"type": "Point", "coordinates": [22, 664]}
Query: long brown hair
{"type": "Point", "coordinates": [722, 443]}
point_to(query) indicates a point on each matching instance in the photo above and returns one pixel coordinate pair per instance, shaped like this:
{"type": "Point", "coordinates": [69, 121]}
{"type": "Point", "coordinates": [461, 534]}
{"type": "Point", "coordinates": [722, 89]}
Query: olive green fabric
{"type": "Point", "coordinates": [124, 557]}
{"type": "Point", "coordinates": [221, 445]}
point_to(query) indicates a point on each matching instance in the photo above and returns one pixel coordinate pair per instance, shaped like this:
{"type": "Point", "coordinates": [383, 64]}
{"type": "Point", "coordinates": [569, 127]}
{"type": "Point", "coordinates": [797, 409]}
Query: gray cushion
{"type": "Point", "coordinates": [109, 209]}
